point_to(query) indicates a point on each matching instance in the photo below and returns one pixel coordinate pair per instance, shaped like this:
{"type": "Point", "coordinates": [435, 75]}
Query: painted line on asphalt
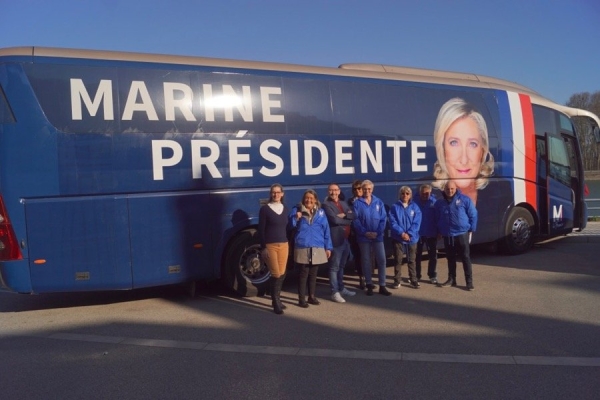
{"type": "Point", "coordinates": [330, 353]}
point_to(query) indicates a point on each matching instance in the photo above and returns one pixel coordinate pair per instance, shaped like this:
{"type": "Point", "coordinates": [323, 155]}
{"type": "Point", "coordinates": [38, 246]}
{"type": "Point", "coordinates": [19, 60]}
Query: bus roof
{"type": "Point", "coordinates": [467, 79]}
{"type": "Point", "coordinates": [360, 70]}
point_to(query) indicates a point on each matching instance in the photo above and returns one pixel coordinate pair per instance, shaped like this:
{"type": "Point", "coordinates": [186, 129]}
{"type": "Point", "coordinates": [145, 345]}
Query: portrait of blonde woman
{"type": "Point", "coordinates": [462, 147]}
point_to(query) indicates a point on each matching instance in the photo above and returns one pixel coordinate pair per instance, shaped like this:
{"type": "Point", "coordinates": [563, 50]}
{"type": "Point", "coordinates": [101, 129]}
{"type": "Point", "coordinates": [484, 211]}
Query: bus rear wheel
{"type": "Point", "coordinates": [245, 273]}
{"type": "Point", "coordinates": [518, 232]}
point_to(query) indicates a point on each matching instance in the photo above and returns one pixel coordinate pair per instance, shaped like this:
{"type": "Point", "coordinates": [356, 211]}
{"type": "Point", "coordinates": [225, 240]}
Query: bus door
{"type": "Point", "coordinates": [542, 183]}
{"type": "Point", "coordinates": [577, 181]}
{"type": "Point", "coordinates": [560, 195]}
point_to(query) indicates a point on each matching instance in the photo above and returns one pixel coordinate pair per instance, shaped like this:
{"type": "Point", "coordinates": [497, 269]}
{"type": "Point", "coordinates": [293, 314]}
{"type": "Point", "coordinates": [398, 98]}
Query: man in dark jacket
{"type": "Point", "coordinates": [339, 216]}
{"type": "Point", "coordinates": [427, 233]}
{"type": "Point", "coordinates": [456, 218]}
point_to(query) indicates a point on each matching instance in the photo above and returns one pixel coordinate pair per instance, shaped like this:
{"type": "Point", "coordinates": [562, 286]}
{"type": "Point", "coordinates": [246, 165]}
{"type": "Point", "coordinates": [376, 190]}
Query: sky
{"type": "Point", "coordinates": [550, 46]}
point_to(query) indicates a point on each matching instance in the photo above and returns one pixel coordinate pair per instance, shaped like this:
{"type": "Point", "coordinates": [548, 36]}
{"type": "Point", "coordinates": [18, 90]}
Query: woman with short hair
{"type": "Point", "coordinates": [312, 244]}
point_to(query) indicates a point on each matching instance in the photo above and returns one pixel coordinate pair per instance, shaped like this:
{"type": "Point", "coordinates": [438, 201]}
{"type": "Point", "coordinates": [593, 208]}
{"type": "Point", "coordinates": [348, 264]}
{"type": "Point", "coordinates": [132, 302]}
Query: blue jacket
{"type": "Point", "coordinates": [405, 220]}
{"type": "Point", "coordinates": [457, 216]}
{"type": "Point", "coordinates": [369, 218]}
{"type": "Point", "coordinates": [313, 233]}
{"type": "Point", "coordinates": [428, 221]}
{"type": "Point", "coordinates": [338, 225]}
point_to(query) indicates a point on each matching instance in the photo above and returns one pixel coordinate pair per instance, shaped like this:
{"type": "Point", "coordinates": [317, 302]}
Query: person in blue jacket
{"type": "Point", "coordinates": [312, 244]}
{"type": "Point", "coordinates": [456, 218]}
{"type": "Point", "coordinates": [427, 233]}
{"type": "Point", "coordinates": [370, 219]}
{"type": "Point", "coordinates": [405, 222]}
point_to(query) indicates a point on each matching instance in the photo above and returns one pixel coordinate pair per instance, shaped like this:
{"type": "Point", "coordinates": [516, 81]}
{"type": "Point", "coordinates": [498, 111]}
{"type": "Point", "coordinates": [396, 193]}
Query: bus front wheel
{"type": "Point", "coordinates": [518, 232]}
{"type": "Point", "coordinates": [244, 270]}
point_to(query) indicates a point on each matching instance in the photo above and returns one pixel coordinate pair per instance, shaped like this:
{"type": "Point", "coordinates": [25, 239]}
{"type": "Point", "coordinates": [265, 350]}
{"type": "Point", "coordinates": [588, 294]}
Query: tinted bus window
{"type": "Point", "coordinates": [559, 160]}
{"type": "Point", "coordinates": [545, 121]}
{"type": "Point", "coordinates": [565, 123]}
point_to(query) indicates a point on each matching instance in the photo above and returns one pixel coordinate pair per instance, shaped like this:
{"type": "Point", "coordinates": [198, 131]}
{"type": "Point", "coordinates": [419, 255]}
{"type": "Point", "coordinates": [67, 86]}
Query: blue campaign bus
{"type": "Point", "coordinates": [122, 170]}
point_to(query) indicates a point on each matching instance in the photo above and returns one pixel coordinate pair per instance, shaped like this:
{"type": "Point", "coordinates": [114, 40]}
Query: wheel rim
{"type": "Point", "coordinates": [521, 232]}
{"type": "Point", "coordinates": [252, 266]}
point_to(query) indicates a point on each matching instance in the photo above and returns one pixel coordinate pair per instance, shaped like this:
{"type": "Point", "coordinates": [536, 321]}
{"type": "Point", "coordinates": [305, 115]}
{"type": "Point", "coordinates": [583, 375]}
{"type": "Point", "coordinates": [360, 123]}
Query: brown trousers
{"type": "Point", "coordinates": [278, 257]}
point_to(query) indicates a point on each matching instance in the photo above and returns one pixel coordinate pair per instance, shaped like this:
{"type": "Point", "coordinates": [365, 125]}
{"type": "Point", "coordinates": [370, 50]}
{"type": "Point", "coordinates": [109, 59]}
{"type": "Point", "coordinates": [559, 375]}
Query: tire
{"type": "Point", "coordinates": [518, 231]}
{"type": "Point", "coordinates": [245, 273]}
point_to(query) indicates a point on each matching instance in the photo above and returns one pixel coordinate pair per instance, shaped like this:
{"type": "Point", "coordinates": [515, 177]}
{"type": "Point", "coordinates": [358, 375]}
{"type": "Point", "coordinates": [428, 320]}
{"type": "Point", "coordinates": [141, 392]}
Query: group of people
{"type": "Point", "coordinates": [418, 223]}
{"type": "Point", "coordinates": [336, 231]}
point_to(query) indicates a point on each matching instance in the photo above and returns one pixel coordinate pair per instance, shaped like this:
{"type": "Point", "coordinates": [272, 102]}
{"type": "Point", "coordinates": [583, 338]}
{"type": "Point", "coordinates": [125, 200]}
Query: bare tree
{"type": "Point", "coordinates": [590, 150]}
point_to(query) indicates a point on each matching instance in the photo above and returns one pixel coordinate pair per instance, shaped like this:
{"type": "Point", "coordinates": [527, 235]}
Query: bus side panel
{"type": "Point", "coordinates": [171, 238]}
{"type": "Point", "coordinates": [78, 244]}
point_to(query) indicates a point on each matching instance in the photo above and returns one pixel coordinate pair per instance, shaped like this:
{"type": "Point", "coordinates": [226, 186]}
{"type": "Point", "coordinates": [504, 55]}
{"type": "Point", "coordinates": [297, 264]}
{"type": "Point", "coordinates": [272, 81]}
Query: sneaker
{"type": "Point", "coordinates": [415, 285]}
{"type": "Point", "coordinates": [384, 291]}
{"type": "Point", "coordinates": [347, 292]}
{"type": "Point", "coordinates": [369, 290]}
{"type": "Point", "coordinates": [395, 285]}
{"type": "Point", "coordinates": [433, 281]}
{"type": "Point", "coordinates": [337, 297]}
{"type": "Point", "coordinates": [453, 283]}
{"type": "Point", "coordinates": [470, 287]}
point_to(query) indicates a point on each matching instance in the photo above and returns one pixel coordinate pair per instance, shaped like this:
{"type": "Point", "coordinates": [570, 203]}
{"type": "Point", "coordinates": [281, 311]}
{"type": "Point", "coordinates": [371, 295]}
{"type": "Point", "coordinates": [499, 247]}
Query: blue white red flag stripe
{"type": "Point", "coordinates": [524, 158]}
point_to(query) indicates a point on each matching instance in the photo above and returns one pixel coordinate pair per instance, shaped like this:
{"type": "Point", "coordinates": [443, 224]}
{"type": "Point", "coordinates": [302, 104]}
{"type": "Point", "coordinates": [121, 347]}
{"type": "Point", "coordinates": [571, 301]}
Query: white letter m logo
{"type": "Point", "coordinates": [557, 213]}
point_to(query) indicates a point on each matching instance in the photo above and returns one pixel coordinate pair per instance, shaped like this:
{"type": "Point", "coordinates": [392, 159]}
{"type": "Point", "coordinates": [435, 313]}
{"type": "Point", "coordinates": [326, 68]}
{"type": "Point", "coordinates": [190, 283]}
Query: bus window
{"type": "Point", "coordinates": [572, 159]}
{"type": "Point", "coordinates": [541, 160]}
{"type": "Point", "coordinates": [559, 160]}
{"type": "Point", "coordinates": [545, 121]}
{"type": "Point", "coordinates": [565, 124]}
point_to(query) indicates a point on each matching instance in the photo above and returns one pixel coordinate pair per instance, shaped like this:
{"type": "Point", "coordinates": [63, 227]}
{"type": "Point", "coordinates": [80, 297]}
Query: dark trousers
{"type": "Point", "coordinates": [307, 273]}
{"type": "Point", "coordinates": [431, 244]}
{"type": "Point", "coordinates": [400, 251]}
{"type": "Point", "coordinates": [458, 246]}
{"type": "Point", "coordinates": [355, 249]}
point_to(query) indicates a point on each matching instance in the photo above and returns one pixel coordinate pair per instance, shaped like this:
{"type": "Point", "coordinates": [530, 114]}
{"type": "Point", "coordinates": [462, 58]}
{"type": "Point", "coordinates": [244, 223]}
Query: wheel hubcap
{"type": "Point", "coordinates": [521, 232]}
{"type": "Point", "coordinates": [252, 266]}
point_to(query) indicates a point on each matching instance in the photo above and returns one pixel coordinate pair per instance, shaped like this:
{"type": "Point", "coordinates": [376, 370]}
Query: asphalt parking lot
{"type": "Point", "coordinates": [529, 330]}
